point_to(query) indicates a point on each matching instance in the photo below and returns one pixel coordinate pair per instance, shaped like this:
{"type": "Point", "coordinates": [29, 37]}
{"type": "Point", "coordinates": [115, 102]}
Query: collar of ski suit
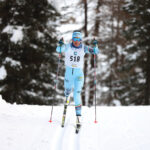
{"type": "Point", "coordinates": [75, 46]}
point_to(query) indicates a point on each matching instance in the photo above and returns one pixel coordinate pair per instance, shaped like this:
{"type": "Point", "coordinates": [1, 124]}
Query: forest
{"type": "Point", "coordinates": [29, 34]}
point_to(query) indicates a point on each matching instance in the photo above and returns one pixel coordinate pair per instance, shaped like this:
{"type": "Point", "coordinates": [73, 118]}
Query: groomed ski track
{"type": "Point", "coordinates": [66, 138]}
{"type": "Point", "coordinates": [119, 128]}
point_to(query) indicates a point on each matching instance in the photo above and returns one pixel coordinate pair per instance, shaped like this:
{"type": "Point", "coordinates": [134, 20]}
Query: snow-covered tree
{"type": "Point", "coordinates": [137, 66]}
{"type": "Point", "coordinates": [28, 42]}
{"type": "Point", "coordinates": [113, 45]}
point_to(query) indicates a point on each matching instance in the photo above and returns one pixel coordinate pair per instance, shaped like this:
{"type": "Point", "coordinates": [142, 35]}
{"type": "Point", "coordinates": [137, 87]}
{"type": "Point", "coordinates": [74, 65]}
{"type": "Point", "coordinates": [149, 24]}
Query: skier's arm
{"type": "Point", "coordinates": [62, 47]}
{"type": "Point", "coordinates": [91, 50]}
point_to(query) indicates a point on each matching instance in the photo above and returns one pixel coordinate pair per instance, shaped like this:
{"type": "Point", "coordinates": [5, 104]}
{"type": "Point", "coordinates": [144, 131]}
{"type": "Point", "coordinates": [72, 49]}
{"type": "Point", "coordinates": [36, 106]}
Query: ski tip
{"type": "Point", "coordinates": [50, 121]}
{"type": "Point", "coordinates": [95, 121]}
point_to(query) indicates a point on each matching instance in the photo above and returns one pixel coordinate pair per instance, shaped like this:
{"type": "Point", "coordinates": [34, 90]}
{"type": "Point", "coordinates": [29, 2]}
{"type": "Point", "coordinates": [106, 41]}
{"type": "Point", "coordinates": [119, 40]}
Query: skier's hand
{"type": "Point", "coordinates": [96, 50]}
{"type": "Point", "coordinates": [95, 42]}
{"type": "Point", "coordinates": [61, 42]}
{"type": "Point", "coordinates": [60, 45]}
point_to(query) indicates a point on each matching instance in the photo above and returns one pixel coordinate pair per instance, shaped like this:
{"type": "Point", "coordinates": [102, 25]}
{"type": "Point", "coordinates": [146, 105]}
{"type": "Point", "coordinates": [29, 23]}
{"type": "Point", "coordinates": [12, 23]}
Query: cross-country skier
{"type": "Point", "coordinates": [74, 60]}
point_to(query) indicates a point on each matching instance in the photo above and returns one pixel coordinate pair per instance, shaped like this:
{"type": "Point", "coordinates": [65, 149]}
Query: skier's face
{"type": "Point", "coordinates": [76, 41]}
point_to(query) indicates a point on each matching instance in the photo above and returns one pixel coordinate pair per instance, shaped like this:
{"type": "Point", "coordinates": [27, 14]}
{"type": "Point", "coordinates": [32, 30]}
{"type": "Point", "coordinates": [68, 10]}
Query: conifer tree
{"type": "Point", "coordinates": [137, 67]}
{"type": "Point", "coordinates": [28, 42]}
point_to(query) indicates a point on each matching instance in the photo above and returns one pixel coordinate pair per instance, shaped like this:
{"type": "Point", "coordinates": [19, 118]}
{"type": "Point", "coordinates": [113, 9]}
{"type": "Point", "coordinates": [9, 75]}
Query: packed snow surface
{"type": "Point", "coordinates": [24, 127]}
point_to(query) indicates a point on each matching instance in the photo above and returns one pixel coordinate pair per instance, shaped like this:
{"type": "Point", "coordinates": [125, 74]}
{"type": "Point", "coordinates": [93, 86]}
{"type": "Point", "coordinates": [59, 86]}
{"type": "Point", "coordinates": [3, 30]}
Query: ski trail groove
{"type": "Point", "coordinates": [77, 141]}
{"type": "Point", "coordinates": [60, 135]}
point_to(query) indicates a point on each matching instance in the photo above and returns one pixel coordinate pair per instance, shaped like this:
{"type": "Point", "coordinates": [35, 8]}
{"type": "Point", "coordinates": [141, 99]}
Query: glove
{"type": "Point", "coordinates": [61, 42]}
{"type": "Point", "coordinates": [95, 42]}
{"type": "Point", "coordinates": [96, 50]}
{"type": "Point", "coordinates": [59, 47]}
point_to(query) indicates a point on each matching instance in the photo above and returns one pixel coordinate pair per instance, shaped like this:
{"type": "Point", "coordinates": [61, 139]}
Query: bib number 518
{"type": "Point", "coordinates": [75, 58]}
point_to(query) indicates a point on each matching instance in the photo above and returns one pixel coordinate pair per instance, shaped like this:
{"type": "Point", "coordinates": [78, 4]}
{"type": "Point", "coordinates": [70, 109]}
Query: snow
{"type": "Point", "coordinates": [120, 50]}
{"type": "Point", "coordinates": [119, 128]}
{"type": "Point", "coordinates": [138, 70]}
{"type": "Point", "coordinates": [148, 10]}
{"type": "Point", "coordinates": [116, 102]}
{"type": "Point", "coordinates": [40, 34]}
{"type": "Point", "coordinates": [3, 73]}
{"type": "Point", "coordinates": [17, 35]}
{"type": "Point", "coordinates": [16, 31]}
{"type": "Point", "coordinates": [13, 63]}
{"type": "Point", "coordinates": [8, 29]}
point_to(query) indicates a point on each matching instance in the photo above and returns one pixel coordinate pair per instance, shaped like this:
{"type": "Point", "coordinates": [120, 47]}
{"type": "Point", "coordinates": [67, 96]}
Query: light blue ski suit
{"type": "Point", "coordinates": [74, 77]}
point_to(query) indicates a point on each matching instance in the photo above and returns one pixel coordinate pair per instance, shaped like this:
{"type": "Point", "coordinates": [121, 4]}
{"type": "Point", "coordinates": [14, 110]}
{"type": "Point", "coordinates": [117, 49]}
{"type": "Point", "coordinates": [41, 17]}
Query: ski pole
{"type": "Point", "coordinates": [59, 60]}
{"type": "Point", "coordinates": [95, 43]}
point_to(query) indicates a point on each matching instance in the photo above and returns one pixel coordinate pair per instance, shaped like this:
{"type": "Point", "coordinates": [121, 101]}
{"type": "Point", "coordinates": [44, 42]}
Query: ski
{"type": "Point", "coordinates": [78, 125]}
{"type": "Point", "coordinates": [64, 113]}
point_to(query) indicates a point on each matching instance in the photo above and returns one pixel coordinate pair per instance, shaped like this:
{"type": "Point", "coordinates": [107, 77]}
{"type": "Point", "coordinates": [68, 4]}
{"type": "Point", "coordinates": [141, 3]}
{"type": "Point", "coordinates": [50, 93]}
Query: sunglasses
{"type": "Point", "coordinates": [77, 39]}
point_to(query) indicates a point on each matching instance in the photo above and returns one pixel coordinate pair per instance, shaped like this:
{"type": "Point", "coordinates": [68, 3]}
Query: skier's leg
{"type": "Point", "coordinates": [77, 99]}
{"type": "Point", "coordinates": [77, 93]}
{"type": "Point", "coordinates": [68, 82]}
{"type": "Point", "coordinates": [68, 86]}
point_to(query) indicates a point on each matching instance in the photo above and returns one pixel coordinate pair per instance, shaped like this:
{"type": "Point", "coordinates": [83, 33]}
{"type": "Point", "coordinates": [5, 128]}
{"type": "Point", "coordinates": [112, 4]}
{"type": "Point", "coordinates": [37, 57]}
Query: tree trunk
{"type": "Point", "coordinates": [86, 57]}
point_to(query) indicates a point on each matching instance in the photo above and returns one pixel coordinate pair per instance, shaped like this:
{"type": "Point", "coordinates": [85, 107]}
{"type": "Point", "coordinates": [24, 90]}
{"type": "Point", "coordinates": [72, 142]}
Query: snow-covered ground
{"type": "Point", "coordinates": [24, 127]}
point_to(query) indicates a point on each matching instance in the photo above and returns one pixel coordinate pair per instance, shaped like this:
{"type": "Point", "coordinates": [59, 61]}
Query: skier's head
{"type": "Point", "coordinates": [77, 34]}
{"type": "Point", "coordinates": [76, 38]}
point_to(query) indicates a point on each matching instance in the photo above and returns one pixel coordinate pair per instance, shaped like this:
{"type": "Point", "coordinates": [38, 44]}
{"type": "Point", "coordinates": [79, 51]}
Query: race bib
{"type": "Point", "coordinates": [74, 57]}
